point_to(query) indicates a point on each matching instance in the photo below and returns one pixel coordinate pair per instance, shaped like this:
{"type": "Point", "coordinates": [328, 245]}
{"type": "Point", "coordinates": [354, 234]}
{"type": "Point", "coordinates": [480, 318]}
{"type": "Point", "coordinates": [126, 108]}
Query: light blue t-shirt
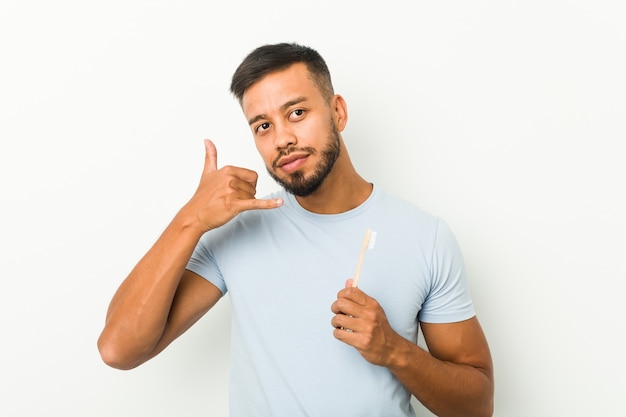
{"type": "Point", "coordinates": [283, 268]}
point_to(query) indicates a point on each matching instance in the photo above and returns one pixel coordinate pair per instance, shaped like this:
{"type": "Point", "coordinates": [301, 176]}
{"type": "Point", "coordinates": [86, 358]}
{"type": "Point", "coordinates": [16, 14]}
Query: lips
{"type": "Point", "coordinates": [291, 162]}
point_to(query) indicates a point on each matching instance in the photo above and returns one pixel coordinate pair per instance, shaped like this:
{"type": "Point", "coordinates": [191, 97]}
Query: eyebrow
{"type": "Point", "coordinates": [282, 108]}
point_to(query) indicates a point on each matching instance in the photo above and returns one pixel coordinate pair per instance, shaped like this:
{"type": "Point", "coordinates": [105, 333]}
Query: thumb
{"type": "Point", "coordinates": [210, 158]}
{"type": "Point", "coordinates": [349, 282]}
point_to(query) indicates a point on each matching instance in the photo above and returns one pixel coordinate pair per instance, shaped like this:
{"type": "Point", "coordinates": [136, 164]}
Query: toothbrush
{"type": "Point", "coordinates": [368, 243]}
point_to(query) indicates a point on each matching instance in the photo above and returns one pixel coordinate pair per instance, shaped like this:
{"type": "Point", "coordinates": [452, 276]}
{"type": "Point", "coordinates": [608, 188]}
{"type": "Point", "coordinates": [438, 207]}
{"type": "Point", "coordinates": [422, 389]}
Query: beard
{"type": "Point", "coordinates": [302, 186]}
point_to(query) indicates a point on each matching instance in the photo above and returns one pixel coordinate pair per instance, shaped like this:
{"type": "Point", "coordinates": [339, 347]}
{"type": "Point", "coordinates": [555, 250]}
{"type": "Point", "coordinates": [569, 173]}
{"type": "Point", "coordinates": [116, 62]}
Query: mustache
{"type": "Point", "coordinates": [285, 152]}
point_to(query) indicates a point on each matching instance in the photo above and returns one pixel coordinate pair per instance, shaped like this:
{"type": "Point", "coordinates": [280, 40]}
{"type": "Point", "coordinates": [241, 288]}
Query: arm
{"type": "Point", "coordinates": [453, 378]}
{"type": "Point", "coordinates": [159, 299]}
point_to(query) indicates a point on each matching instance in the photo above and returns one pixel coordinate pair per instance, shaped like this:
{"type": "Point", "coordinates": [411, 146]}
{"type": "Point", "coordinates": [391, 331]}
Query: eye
{"type": "Point", "coordinates": [262, 127]}
{"type": "Point", "coordinates": [296, 114]}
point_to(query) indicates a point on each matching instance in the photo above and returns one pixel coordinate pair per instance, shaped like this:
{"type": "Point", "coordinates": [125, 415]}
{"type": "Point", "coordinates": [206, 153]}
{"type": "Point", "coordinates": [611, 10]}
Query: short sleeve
{"type": "Point", "coordinates": [203, 262]}
{"type": "Point", "coordinates": [449, 297]}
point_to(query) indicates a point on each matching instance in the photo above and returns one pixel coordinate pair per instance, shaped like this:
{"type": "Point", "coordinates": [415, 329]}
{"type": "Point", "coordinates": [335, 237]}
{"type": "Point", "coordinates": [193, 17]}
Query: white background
{"type": "Point", "coordinates": [506, 118]}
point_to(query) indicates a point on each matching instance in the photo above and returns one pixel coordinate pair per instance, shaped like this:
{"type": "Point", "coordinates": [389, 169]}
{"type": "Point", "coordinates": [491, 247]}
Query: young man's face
{"type": "Point", "coordinates": [294, 129]}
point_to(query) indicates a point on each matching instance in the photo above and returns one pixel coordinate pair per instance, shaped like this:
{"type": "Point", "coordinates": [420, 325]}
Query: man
{"type": "Point", "coordinates": [286, 262]}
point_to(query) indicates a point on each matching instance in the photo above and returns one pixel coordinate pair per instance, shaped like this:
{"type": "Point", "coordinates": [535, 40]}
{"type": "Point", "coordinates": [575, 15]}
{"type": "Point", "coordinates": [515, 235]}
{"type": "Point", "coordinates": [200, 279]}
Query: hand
{"type": "Point", "coordinates": [361, 322]}
{"type": "Point", "coordinates": [224, 193]}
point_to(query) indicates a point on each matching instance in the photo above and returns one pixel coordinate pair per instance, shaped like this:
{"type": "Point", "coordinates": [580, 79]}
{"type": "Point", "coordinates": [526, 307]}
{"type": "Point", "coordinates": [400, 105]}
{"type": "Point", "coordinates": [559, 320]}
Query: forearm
{"type": "Point", "coordinates": [445, 388]}
{"type": "Point", "coordinates": [139, 310]}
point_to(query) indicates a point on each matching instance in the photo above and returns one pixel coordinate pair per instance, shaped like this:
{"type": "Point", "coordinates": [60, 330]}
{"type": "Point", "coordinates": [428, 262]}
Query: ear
{"type": "Point", "coordinates": [340, 112]}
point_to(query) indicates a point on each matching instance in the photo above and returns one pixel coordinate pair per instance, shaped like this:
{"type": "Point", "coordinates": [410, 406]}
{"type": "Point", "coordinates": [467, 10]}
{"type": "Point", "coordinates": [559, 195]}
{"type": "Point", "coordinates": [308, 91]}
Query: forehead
{"type": "Point", "coordinates": [278, 88]}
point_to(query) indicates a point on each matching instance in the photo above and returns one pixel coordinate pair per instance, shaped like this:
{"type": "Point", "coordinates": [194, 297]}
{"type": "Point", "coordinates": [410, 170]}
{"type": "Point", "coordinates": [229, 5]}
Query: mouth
{"type": "Point", "coordinates": [290, 163]}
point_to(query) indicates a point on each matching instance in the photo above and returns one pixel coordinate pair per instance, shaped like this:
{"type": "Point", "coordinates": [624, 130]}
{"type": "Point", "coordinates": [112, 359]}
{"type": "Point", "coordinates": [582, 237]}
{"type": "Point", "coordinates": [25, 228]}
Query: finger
{"type": "Point", "coordinates": [244, 189]}
{"type": "Point", "coordinates": [243, 179]}
{"type": "Point", "coordinates": [259, 204]}
{"type": "Point", "coordinates": [353, 294]}
{"type": "Point", "coordinates": [345, 323]}
{"type": "Point", "coordinates": [347, 336]}
{"type": "Point", "coordinates": [344, 306]}
{"type": "Point", "coordinates": [349, 283]}
{"type": "Point", "coordinates": [210, 158]}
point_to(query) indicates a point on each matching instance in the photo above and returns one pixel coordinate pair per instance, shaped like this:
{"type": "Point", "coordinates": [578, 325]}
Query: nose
{"type": "Point", "coordinates": [284, 138]}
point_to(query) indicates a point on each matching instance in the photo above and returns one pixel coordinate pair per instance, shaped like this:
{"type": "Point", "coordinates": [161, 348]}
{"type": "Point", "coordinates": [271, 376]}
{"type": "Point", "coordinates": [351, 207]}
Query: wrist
{"type": "Point", "coordinates": [188, 221]}
{"type": "Point", "coordinates": [403, 354]}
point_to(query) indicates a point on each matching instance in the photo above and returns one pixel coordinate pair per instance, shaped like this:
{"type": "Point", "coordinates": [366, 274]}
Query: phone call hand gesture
{"type": "Point", "coordinates": [223, 193]}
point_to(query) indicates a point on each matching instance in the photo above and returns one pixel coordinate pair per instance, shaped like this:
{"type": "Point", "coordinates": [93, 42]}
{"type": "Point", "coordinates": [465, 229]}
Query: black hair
{"type": "Point", "coordinates": [277, 57]}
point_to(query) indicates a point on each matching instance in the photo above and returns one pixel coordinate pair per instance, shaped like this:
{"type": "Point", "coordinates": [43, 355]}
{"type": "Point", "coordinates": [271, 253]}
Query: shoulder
{"type": "Point", "coordinates": [400, 210]}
